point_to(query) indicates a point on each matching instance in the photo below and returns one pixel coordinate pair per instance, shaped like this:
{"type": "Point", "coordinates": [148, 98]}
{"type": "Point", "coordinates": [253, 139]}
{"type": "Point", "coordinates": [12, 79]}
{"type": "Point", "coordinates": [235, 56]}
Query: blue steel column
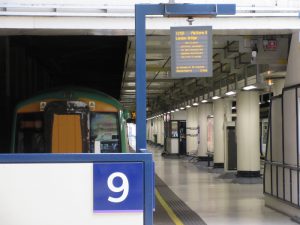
{"type": "Point", "coordinates": [140, 72]}
{"type": "Point", "coordinates": [140, 75]}
{"type": "Point", "coordinates": [140, 78]}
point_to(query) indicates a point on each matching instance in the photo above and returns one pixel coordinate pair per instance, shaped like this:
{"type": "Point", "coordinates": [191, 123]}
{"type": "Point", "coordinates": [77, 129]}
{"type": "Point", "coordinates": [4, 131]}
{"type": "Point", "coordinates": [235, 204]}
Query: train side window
{"type": "Point", "coordinates": [30, 133]}
{"type": "Point", "coordinates": [105, 134]}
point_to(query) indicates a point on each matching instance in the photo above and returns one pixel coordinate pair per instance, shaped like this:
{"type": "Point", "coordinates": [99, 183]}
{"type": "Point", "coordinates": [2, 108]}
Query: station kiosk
{"type": "Point", "coordinates": [175, 136]}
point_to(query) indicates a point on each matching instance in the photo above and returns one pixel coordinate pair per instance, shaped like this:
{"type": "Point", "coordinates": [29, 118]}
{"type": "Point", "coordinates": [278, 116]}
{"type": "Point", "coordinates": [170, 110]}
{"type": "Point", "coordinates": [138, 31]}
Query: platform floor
{"type": "Point", "coordinates": [217, 201]}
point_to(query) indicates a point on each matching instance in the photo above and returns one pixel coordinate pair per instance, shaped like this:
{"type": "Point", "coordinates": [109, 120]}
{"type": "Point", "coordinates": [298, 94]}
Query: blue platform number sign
{"type": "Point", "coordinates": [118, 187]}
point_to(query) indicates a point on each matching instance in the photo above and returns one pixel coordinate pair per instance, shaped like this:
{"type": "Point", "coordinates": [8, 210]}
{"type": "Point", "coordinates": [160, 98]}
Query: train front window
{"type": "Point", "coordinates": [105, 133]}
{"type": "Point", "coordinates": [30, 133]}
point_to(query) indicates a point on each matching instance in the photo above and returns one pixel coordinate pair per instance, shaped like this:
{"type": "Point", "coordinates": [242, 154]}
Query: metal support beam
{"type": "Point", "coordinates": [140, 39]}
{"type": "Point", "coordinates": [140, 60]}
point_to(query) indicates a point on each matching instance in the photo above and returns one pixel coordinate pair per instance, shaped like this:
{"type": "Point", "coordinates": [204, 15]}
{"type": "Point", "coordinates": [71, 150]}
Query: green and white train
{"type": "Point", "coordinates": [70, 120]}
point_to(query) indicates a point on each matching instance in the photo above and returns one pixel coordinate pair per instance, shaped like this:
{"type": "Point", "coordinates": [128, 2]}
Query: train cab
{"type": "Point", "coordinates": [71, 120]}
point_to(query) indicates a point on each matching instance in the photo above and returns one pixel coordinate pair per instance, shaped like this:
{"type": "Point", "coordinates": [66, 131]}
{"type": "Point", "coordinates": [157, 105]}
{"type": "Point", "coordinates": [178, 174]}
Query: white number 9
{"type": "Point", "coordinates": [124, 187]}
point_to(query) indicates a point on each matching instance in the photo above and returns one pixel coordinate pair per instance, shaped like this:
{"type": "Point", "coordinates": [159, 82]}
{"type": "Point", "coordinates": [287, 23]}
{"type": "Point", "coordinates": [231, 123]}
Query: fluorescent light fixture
{"type": "Point", "coordinates": [216, 97]}
{"type": "Point", "coordinates": [250, 87]}
{"type": "Point", "coordinates": [270, 82]}
{"type": "Point", "coordinates": [230, 93]}
{"type": "Point", "coordinates": [188, 106]}
{"type": "Point", "coordinates": [182, 108]}
{"type": "Point", "coordinates": [172, 111]}
{"type": "Point", "coordinates": [204, 101]}
{"type": "Point", "coordinates": [233, 107]}
{"type": "Point", "coordinates": [176, 110]}
{"type": "Point", "coordinates": [259, 103]}
{"type": "Point", "coordinates": [195, 103]}
{"type": "Point", "coordinates": [269, 101]}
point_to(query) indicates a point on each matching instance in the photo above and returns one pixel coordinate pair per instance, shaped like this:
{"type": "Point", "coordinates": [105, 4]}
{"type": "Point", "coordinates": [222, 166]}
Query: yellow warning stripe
{"type": "Point", "coordinates": [168, 209]}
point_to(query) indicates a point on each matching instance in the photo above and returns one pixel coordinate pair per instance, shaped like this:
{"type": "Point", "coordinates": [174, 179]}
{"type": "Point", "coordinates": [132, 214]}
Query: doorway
{"type": "Point", "coordinates": [232, 148]}
{"type": "Point", "coordinates": [182, 137]}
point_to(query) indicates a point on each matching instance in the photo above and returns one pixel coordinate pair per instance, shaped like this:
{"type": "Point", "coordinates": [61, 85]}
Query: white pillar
{"type": "Point", "coordinates": [227, 122]}
{"type": "Point", "coordinates": [158, 130]}
{"type": "Point", "coordinates": [192, 130]}
{"type": "Point", "coordinates": [228, 110]}
{"type": "Point", "coordinates": [204, 111]}
{"type": "Point", "coordinates": [151, 130]}
{"type": "Point", "coordinates": [155, 129]}
{"type": "Point", "coordinates": [148, 129]}
{"type": "Point", "coordinates": [247, 134]}
{"type": "Point", "coordinates": [161, 131]}
{"type": "Point", "coordinates": [219, 142]}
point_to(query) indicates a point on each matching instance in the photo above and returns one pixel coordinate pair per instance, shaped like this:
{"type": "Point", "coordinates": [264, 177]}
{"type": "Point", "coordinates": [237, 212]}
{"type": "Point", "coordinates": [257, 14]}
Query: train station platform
{"type": "Point", "coordinates": [217, 201]}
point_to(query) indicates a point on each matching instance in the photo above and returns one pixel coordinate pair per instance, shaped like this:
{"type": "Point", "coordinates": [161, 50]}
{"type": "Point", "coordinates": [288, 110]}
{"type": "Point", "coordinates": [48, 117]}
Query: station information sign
{"type": "Point", "coordinates": [118, 187]}
{"type": "Point", "coordinates": [191, 51]}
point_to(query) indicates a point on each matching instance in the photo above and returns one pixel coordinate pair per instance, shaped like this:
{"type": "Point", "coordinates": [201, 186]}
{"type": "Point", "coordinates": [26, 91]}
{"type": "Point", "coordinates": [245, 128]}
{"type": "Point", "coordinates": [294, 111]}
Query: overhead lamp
{"type": "Point", "coordinates": [270, 82]}
{"type": "Point", "coordinates": [216, 94]}
{"type": "Point", "coordinates": [182, 108]}
{"type": "Point", "coordinates": [233, 107]}
{"type": "Point", "coordinates": [176, 110]}
{"type": "Point", "coordinates": [188, 106]}
{"type": "Point", "coordinates": [204, 101]}
{"type": "Point", "coordinates": [169, 112]}
{"type": "Point", "coordinates": [230, 93]}
{"type": "Point", "coordinates": [215, 97]}
{"type": "Point", "coordinates": [249, 87]}
{"type": "Point", "coordinates": [172, 111]}
{"type": "Point", "coordinates": [195, 104]}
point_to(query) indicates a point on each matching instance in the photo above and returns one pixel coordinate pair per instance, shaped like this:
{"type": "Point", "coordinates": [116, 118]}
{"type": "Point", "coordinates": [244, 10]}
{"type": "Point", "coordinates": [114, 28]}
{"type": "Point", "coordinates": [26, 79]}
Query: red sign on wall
{"type": "Point", "coordinates": [270, 45]}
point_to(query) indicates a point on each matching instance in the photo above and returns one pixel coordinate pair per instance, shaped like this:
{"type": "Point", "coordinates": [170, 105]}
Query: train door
{"type": "Point", "coordinates": [66, 134]}
{"type": "Point", "coordinates": [66, 127]}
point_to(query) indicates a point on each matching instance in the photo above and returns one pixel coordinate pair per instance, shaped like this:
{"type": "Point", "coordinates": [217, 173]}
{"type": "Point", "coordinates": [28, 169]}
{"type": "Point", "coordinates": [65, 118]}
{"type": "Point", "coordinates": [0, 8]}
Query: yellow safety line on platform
{"type": "Point", "coordinates": [168, 209]}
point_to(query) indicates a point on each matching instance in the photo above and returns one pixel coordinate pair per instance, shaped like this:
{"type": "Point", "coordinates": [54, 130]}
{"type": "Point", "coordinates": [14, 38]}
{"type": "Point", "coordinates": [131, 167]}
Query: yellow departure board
{"type": "Point", "coordinates": [191, 51]}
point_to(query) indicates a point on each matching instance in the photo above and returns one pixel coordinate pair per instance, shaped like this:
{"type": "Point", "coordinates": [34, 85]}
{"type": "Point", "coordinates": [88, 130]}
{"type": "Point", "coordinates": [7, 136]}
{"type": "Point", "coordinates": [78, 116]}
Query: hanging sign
{"type": "Point", "coordinates": [191, 51]}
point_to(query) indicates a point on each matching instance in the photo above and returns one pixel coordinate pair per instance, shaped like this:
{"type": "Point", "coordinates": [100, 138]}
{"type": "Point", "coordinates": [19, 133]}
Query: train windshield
{"type": "Point", "coordinates": [104, 133]}
{"type": "Point", "coordinates": [30, 133]}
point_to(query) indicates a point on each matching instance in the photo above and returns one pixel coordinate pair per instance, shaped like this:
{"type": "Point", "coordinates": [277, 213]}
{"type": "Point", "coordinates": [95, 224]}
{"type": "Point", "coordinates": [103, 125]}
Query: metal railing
{"type": "Point", "coordinates": [281, 173]}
